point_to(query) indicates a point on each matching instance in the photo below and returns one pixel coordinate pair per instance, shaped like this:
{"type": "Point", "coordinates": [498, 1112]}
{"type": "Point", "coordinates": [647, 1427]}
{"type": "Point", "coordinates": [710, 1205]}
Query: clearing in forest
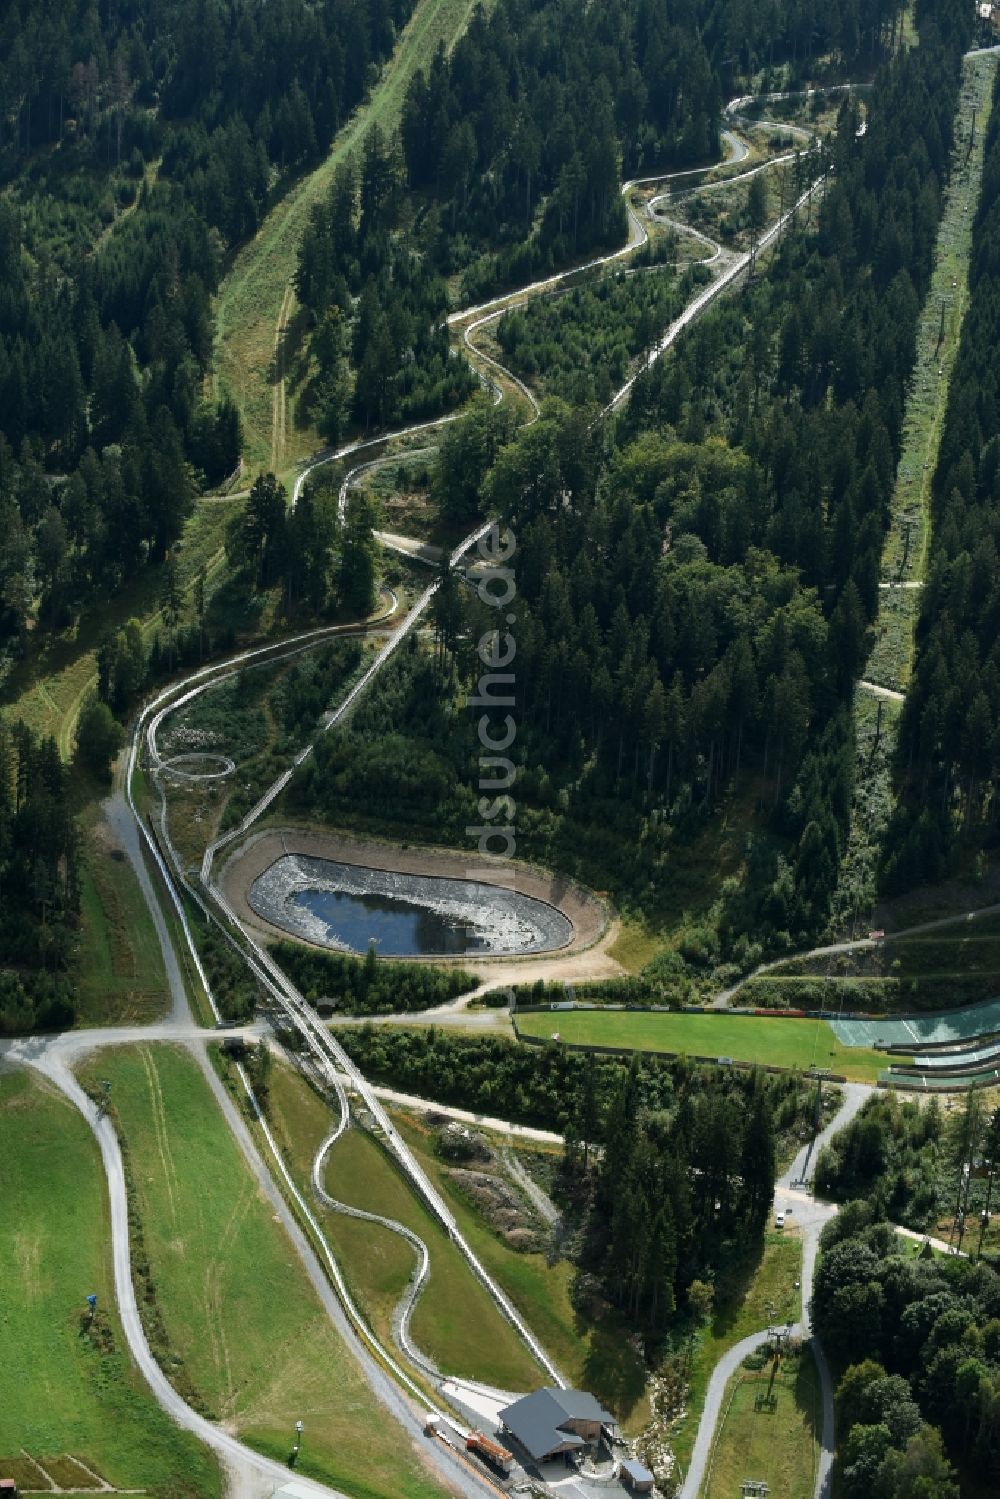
{"type": "Point", "coordinates": [256, 298]}
{"type": "Point", "coordinates": [906, 545]}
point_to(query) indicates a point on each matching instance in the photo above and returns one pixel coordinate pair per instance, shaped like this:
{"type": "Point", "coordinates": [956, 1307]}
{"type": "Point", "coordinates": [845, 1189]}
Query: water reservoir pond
{"type": "Point", "coordinates": [347, 906]}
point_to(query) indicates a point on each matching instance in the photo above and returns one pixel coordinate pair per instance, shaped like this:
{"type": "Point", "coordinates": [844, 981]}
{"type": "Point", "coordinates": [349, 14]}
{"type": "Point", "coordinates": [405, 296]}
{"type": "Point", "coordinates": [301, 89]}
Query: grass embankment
{"type": "Point", "coordinates": [770, 1431]}
{"type": "Point", "coordinates": [66, 1388]}
{"type": "Point", "coordinates": [454, 1322]}
{"type": "Point", "coordinates": [257, 291]}
{"type": "Point", "coordinates": [594, 1356]}
{"type": "Point", "coordinates": [242, 1326]}
{"type": "Point", "coordinates": [761, 1293]}
{"type": "Point", "coordinates": [794, 1043]}
{"type": "Point", "coordinates": [119, 967]}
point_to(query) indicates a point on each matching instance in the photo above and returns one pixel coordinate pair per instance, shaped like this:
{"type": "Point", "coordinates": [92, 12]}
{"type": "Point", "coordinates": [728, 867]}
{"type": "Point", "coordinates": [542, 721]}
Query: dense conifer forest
{"type": "Point", "coordinates": [696, 581]}
{"type": "Point", "coordinates": [521, 138]}
{"type": "Point", "coordinates": [696, 586]}
{"type": "Point", "coordinates": [669, 1169]}
{"type": "Point", "coordinates": [139, 149]}
{"type": "Point", "coordinates": [39, 889]}
{"type": "Point", "coordinates": [694, 576]}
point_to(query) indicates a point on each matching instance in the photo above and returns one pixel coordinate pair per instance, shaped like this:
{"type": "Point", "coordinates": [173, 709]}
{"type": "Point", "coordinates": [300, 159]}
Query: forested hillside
{"type": "Point", "coordinates": [380, 341]}
{"type": "Point", "coordinates": [522, 136]}
{"type": "Point", "coordinates": [694, 595]}
{"type": "Point", "coordinates": [949, 740]}
{"type": "Point", "coordinates": [695, 582]}
{"type": "Point", "coordinates": [39, 889]}
{"type": "Point", "coordinates": [511, 155]}
{"type": "Point", "coordinates": [138, 149]}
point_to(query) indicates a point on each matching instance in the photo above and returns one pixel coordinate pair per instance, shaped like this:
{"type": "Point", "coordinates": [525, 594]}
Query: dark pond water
{"type": "Point", "coordinates": [405, 915]}
{"type": "Point", "coordinates": [398, 928]}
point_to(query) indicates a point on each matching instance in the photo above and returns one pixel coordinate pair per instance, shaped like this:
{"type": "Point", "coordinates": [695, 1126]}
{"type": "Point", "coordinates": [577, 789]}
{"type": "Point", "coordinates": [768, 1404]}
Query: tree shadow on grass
{"type": "Point", "coordinates": [808, 1396]}
{"type": "Point", "coordinates": [733, 1284]}
{"type": "Point", "coordinates": [234, 606]}
{"type": "Point", "coordinates": [613, 1370]}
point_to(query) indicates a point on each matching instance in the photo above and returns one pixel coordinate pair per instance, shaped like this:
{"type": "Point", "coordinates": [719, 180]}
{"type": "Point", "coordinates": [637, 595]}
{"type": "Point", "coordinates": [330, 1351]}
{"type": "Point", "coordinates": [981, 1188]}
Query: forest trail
{"type": "Point", "coordinates": [886, 673]}
{"type": "Point", "coordinates": [257, 295]}
{"type": "Point", "coordinates": [888, 694]}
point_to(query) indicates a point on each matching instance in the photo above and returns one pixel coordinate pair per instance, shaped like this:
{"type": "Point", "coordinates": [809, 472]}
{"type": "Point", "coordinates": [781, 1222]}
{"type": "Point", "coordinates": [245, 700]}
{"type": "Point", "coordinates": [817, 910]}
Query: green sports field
{"type": "Point", "coordinates": [793, 1043]}
{"type": "Point", "coordinates": [68, 1389]}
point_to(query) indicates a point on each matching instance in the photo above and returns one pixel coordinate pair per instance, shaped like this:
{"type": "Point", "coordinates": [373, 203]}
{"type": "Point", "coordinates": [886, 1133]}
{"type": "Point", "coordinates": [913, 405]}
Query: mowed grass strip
{"type": "Point", "coordinates": [238, 1308]}
{"type": "Point", "coordinates": [251, 297]}
{"type": "Point", "coordinates": [791, 1043]}
{"type": "Point", "coordinates": [594, 1355]}
{"type": "Point", "coordinates": [756, 1295]}
{"type": "Point", "coordinates": [907, 538]}
{"type": "Point", "coordinates": [120, 972]}
{"type": "Point", "coordinates": [455, 1321]}
{"type": "Point", "coordinates": [778, 1445]}
{"type": "Point", "coordinates": [63, 1389]}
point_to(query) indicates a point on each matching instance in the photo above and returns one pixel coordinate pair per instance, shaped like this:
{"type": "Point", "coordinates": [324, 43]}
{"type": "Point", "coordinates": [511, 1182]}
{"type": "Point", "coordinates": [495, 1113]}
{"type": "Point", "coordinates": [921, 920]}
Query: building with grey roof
{"type": "Point", "coordinates": [634, 1473]}
{"type": "Point", "coordinates": [551, 1422]}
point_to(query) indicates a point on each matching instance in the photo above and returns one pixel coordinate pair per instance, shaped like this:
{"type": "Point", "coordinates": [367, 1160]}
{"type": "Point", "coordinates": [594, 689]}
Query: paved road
{"type": "Point", "coordinates": [853, 1098]}
{"type": "Point", "coordinates": [122, 823]}
{"type": "Point", "coordinates": [250, 1474]}
{"type": "Point", "coordinates": [809, 1216]}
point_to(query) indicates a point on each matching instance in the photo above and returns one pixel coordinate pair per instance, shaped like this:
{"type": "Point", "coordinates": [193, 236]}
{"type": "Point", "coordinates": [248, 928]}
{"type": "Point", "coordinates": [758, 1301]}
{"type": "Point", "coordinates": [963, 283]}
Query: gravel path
{"type": "Point", "coordinates": [249, 1473]}
{"type": "Point", "coordinates": [543, 1204]}
{"type": "Point", "coordinates": [809, 1216]}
